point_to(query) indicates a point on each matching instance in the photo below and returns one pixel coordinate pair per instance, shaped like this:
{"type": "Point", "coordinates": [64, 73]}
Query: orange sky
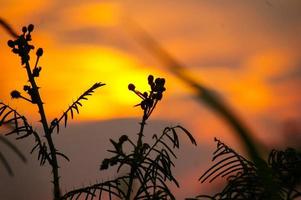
{"type": "Point", "coordinates": [248, 51]}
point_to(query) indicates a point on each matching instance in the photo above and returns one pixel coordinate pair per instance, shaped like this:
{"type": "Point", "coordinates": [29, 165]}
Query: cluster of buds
{"type": "Point", "coordinates": [149, 100]}
{"type": "Point", "coordinates": [15, 94]}
{"type": "Point", "coordinates": [21, 47]}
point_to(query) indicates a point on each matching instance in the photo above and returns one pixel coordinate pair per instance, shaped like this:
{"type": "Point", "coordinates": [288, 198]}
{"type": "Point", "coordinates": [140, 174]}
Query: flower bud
{"type": "Point", "coordinates": [26, 88]}
{"type": "Point", "coordinates": [24, 29]}
{"type": "Point", "coordinates": [15, 94]}
{"type": "Point", "coordinates": [30, 27]}
{"type": "Point", "coordinates": [131, 87]}
{"type": "Point", "coordinates": [39, 52]}
{"type": "Point", "coordinates": [157, 81]}
{"type": "Point", "coordinates": [150, 79]}
{"type": "Point", "coordinates": [162, 81]}
{"type": "Point", "coordinates": [15, 50]}
{"type": "Point", "coordinates": [10, 43]}
{"type": "Point", "coordinates": [123, 138]}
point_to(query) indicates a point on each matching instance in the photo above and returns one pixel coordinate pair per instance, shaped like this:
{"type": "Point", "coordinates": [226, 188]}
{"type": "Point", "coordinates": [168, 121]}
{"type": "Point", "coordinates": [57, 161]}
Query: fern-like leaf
{"type": "Point", "coordinates": [20, 127]}
{"type": "Point", "coordinates": [55, 124]}
{"type": "Point", "coordinates": [105, 190]}
{"type": "Point", "coordinates": [17, 122]}
{"type": "Point", "coordinates": [227, 163]}
{"type": "Point", "coordinates": [245, 181]}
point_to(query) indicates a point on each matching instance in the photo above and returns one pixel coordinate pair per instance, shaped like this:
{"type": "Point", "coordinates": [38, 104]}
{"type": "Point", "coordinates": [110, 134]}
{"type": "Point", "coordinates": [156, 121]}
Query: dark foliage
{"type": "Point", "coordinates": [55, 124]}
{"type": "Point", "coordinates": [245, 181]}
{"type": "Point", "coordinates": [104, 190]}
{"type": "Point", "coordinates": [150, 165]}
{"type": "Point", "coordinates": [204, 94]}
{"type": "Point", "coordinates": [19, 125]}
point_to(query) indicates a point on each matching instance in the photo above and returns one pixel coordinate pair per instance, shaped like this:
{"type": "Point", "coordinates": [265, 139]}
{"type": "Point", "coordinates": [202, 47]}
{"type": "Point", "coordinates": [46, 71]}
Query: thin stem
{"type": "Point", "coordinates": [136, 155]}
{"type": "Point", "coordinates": [47, 131]}
{"type": "Point", "coordinates": [26, 99]}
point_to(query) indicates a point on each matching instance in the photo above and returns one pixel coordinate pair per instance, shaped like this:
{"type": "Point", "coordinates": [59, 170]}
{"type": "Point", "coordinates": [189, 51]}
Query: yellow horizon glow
{"type": "Point", "coordinates": [69, 68]}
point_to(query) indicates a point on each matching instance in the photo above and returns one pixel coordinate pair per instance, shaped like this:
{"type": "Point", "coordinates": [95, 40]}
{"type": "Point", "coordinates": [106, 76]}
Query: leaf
{"type": "Point", "coordinates": [192, 140]}
{"type": "Point", "coordinates": [17, 123]}
{"type": "Point", "coordinates": [74, 107]}
{"type": "Point", "coordinates": [111, 187]}
{"type": "Point", "coordinates": [229, 160]}
{"type": "Point", "coordinates": [63, 155]}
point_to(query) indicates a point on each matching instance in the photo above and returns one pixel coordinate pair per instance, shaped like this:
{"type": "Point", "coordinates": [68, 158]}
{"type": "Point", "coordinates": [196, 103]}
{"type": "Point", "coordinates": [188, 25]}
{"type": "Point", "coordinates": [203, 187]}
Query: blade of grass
{"type": "Point", "coordinates": [8, 28]}
{"type": "Point", "coordinates": [204, 94]}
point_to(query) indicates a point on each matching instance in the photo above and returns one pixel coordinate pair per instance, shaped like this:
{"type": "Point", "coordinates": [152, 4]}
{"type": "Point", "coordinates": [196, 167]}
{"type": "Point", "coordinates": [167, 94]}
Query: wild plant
{"type": "Point", "coordinates": [244, 179]}
{"type": "Point", "coordinates": [150, 165]}
{"type": "Point", "coordinates": [21, 128]}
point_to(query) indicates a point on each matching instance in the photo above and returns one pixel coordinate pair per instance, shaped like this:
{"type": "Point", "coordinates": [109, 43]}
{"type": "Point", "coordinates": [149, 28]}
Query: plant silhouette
{"type": "Point", "coordinates": [44, 145]}
{"type": "Point", "coordinates": [244, 179]}
{"type": "Point", "coordinates": [204, 93]}
{"type": "Point", "coordinates": [150, 165]}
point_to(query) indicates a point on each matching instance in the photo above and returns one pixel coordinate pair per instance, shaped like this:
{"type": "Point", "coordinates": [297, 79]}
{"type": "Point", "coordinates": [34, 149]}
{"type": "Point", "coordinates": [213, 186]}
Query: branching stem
{"type": "Point", "coordinates": [47, 131]}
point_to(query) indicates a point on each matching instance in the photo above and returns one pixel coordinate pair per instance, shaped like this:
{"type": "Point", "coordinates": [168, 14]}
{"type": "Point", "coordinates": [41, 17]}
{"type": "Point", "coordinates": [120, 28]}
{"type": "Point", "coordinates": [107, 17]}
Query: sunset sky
{"type": "Point", "coordinates": [247, 51]}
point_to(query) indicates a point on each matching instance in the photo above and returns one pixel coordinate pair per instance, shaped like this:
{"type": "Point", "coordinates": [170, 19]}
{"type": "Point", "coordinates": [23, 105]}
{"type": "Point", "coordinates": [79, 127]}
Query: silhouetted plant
{"type": "Point", "coordinates": [44, 146]}
{"type": "Point", "coordinates": [203, 92]}
{"type": "Point", "coordinates": [244, 180]}
{"type": "Point", "coordinates": [150, 165]}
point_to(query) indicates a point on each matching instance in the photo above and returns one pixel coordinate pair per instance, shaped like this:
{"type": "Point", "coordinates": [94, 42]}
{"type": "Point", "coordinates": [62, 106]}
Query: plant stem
{"type": "Point", "coordinates": [47, 131]}
{"type": "Point", "coordinates": [136, 155]}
